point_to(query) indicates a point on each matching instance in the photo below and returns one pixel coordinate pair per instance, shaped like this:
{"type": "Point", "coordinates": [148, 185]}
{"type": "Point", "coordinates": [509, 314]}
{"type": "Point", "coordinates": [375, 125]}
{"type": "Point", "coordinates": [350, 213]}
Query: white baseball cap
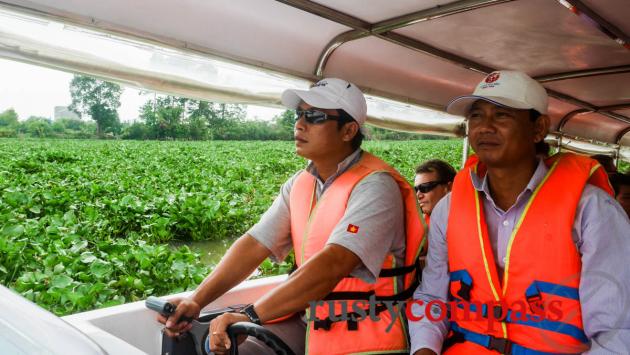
{"type": "Point", "coordinates": [504, 88]}
{"type": "Point", "coordinates": [330, 93]}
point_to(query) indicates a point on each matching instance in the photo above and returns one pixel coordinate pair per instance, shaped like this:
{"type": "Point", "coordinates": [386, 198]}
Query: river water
{"type": "Point", "coordinates": [211, 251]}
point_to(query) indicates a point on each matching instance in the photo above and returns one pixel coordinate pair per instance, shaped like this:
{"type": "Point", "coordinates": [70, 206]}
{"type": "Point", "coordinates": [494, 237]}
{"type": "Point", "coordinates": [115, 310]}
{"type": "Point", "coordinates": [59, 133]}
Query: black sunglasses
{"type": "Point", "coordinates": [427, 186]}
{"type": "Point", "coordinates": [314, 116]}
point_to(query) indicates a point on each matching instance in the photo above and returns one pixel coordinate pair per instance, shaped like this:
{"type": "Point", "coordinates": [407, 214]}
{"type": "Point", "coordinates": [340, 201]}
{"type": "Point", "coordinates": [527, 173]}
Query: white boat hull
{"type": "Point", "coordinates": [132, 328]}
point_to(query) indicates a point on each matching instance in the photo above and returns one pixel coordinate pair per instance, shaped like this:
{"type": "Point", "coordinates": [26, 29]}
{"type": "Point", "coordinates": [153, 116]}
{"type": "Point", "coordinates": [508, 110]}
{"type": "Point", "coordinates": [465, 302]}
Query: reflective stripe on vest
{"type": "Point", "coordinates": [544, 310]}
{"type": "Point", "coordinates": [312, 222]}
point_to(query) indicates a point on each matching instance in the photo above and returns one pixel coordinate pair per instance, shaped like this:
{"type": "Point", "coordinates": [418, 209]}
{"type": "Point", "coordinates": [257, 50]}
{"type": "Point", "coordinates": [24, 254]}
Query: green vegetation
{"type": "Point", "coordinates": [172, 118]}
{"type": "Point", "coordinates": [41, 127]}
{"type": "Point", "coordinates": [83, 223]}
{"type": "Point", "coordinates": [99, 100]}
{"type": "Point", "coordinates": [161, 117]}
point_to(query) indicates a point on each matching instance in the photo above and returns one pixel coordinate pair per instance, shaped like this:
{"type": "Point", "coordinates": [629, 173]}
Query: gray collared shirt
{"type": "Point", "coordinates": [344, 165]}
{"type": "Point", "coordinates": [601, 233]}
{"type": "Point", "coordinates": [375, 206]}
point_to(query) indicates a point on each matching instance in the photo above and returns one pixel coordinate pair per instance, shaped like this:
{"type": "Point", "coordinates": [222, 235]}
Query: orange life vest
{"type": "Point", "coordinates": [312, 222]}
{"type": "Point", "coordinates": [534, 308]}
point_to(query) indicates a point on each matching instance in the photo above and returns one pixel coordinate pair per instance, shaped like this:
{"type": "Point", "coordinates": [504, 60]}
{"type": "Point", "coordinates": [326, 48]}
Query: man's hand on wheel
{"type": "Point", "coordinates": [186, 307]}
{"type": "Point", "coordinates": [219, 339]}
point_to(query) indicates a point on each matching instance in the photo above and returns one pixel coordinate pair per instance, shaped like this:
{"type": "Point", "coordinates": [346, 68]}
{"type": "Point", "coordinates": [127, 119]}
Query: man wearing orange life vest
{"type": "Point", "coordinates": [533, 249]}
{"type": "Point", "coordinates": [352, 223]}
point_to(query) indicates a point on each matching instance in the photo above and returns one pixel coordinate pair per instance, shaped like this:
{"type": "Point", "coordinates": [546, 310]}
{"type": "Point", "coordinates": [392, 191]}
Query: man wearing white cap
{"type": "Point", "coordinates": [344, 217]}
{"type": "Point", "coordinates": [531, 249]}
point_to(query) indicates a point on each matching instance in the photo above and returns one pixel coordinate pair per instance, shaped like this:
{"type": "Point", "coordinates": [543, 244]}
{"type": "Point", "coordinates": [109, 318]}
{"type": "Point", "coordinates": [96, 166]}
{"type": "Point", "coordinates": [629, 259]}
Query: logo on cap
{"type": "Point", "coordinates": [492, 77]}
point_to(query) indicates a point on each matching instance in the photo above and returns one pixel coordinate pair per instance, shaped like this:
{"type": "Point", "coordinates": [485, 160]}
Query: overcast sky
{"type": "Point", "coordinates": [35, 91]}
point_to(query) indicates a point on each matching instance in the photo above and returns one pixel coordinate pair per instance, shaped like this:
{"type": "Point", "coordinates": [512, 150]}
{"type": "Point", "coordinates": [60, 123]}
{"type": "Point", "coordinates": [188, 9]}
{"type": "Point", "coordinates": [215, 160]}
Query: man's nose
{"type": "Point", "coordinates": [300, 124]}
{"type": "Point", "coordinates": [483, 123]}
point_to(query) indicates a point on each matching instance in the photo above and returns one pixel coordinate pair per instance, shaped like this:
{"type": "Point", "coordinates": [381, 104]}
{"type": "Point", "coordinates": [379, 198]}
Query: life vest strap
{"type": "Point", "coordinates": [398, 271]}
{"type": "Point", "coordinates": [466, 283]}
{"type": "Point", "coordinates": [352, 319]}
{"type": "Point", "coordinates": [515, 318]}
{"type": "Point", "coordinates": [502, 345]}
{"type": "Point", "coordinates": [351, 295]}
{"type": "Point", "coordinates": [533, 297]}
{"type": "Point", "coordinates": [401, 296]}
{"type": "Point", "coordinates": [538, 287]}
{"type": "Point", "coordinates": [534, 292]}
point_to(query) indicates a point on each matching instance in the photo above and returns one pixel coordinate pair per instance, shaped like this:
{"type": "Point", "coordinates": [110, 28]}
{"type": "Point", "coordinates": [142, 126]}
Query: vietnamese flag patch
{"type": "Point", "coordinates": [352, 228]}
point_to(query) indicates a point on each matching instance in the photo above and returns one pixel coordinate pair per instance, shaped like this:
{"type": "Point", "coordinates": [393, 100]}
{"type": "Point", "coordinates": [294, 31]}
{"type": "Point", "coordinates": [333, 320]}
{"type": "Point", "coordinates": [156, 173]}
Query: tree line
{"type": "Point", "coordinates": [160, 118]}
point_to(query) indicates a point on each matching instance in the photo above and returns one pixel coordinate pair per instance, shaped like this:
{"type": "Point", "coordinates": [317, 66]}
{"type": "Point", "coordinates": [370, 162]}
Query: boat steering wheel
{"type": "Point", "coordinates": [257, 331]}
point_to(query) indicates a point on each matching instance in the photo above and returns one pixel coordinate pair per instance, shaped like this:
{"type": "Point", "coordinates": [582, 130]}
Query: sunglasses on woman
{"type": "Point", "coordinates": [314, 116]}
{"type": "Point", "coordinates": [427, 186]}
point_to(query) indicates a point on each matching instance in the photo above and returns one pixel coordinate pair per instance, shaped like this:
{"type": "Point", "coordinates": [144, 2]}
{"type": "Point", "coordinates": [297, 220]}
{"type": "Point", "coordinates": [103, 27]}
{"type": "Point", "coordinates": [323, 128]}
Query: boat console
{"type": "Point", "coordinates": [196, 341]}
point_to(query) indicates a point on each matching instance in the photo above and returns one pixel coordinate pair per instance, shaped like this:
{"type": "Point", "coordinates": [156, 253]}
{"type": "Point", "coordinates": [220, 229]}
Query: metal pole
{"type": "Point", "coordinates": [617, 157]}
{"type": "Point", "coordinates": [465, 151]}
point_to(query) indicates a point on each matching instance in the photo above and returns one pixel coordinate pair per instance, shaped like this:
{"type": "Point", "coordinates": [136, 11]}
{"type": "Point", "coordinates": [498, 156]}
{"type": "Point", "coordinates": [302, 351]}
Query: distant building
{"type": "Point", "coordinates": [64, 112]}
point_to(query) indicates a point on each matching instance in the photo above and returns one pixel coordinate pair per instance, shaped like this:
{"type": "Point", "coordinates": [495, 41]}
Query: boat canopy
{"type": "Point", "coordinates": [410, 56]}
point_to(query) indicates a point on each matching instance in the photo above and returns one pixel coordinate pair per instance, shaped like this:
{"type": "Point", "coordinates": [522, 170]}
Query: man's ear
{"type": "Point", "coordinates": [449, 186]}
{"type": "Point", "coordinates": [541, 128]}
{"type": "Point", "coordinates": [350, 130]}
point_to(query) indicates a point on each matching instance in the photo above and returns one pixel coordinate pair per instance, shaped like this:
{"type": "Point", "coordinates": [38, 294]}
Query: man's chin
{"type": "Point", "coordinates": [300, 151]}
{"type": "Point", "coordinates": [489, 158]}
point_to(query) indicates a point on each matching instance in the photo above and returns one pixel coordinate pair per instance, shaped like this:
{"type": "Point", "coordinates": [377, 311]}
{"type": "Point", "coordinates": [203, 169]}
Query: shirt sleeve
{"type": "Point", "coordinates": [435, 280]}
{"type": "Point", "coordinates": [375, 207]}
{"type": "Point", "coordinates": [273, 230]}
{"type": "Point", "coordinates": [604, 242]}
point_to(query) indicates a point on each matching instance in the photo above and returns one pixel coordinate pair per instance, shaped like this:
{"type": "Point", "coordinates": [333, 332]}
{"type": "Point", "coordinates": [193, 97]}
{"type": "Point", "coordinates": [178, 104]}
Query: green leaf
{"type": "Point", "coordinates": [117, 300]}
{"type": "Point", "coordinates": [75, 297]}
{"type": "Point", "coordinates": [145, 262]}
{"type": "Point", "coordinates": [100, 268]}
{"type": "Point", "coordinates": [87, 257]}
{"type": "Point", "coordinates": [77, 247]}
{"type": "Point", "coordinates": [59, 268]}
{"type": "Point", "coordinates": [61, 281]}
{"type": "Point", "coordinates": [179, 268]}
{"type": "Point", "coordinates": [13, 231]}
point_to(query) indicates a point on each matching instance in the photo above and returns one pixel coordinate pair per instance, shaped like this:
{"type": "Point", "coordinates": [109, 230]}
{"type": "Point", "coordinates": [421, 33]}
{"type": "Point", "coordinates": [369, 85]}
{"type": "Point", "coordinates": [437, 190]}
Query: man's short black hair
{"type": "Point", "coordinates": [444, 170]}
{"type": "Point", "coordinates": [542, 148]}
{"type": "Point", "coordinates": [606, 161]}
{"type": "Point", "coordinates": [617, 180]}
{"type": "Point", "coordinates": [344, 118]}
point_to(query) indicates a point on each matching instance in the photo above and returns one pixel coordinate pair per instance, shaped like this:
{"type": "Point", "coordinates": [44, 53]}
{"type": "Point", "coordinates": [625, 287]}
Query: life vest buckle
{"type": "Point", "coordinates": [323, 324]}
{"type": "Point", "coordinates": [465, 281]}
{"type": "Point", "coordinates": [536, 304]}
{"type": "Point", "coordinates": [502, 345]}
{"type": "Point", "coordinates": [353, 324]}
{"type": "Point", "coordinates": [497, 312]}
{"type": "Point", "coordinates": [464, 292]}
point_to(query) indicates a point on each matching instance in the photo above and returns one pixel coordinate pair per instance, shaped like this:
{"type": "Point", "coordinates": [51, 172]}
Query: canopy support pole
{"type": "Point", "coordinates": [465, 150]}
